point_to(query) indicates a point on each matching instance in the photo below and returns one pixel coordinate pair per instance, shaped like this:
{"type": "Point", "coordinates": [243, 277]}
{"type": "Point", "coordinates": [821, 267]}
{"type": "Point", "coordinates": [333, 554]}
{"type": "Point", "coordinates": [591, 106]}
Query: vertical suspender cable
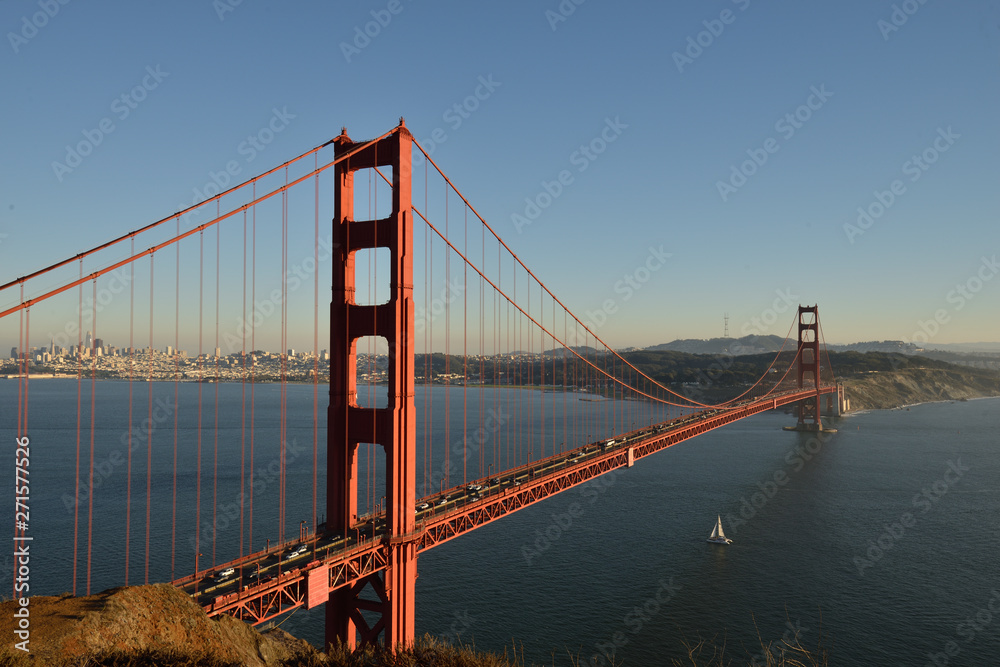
{"type": "Point", "coordinates": [372, 350]}
{"type": "Point", "coordinates": [315, 480]}
{"type": "Point", "coordinates": [531, 376]}
{"type": "Point", "coordinates": [23, 347]}
{"type": "Point", "coordinates": [79, 391]}
{"type": "Point", "coordinates": [253, 359]}
{"type": "Point", "coordinates": [93, 410]}
{"type": "Point", "coordinates": [23, 407]}
{"type": "Point", "coordinates": [22, 370]}
{"type": "Point", "coordinates": [541, 373]}
{"type": "Point", "coordinates": [428, 330]}
{"type": "Point", "coordinates": [465, 352]}
{"type": "Point", "coordinates": [284, 359]}
{"type": "Point", "coordinates": [518, 375]}
{"type": "Point", "coordinates": [482, 362]}
{"type": "Point", "coordinates": [217, 351]}
{"type": "Point", "coordinates": [131, 373]}
{"type": "Point", "coordinates": [201, 310]}
{"type": "Point", "coordinates": [176, 409]}
{"type": "Point", "coordinates": [243, 387]}
{"type": "Point", "coordinates": [447, 349]}
{"type": "Point", "coordinates": [150, 429]}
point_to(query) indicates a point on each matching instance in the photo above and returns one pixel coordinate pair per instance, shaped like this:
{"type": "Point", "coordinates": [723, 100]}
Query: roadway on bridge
{"type": "Point", "coordinates": [255, 574]}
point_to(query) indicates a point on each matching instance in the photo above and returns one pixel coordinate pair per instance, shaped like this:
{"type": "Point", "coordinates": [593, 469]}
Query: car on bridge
{"type": "Point", "coordinates": [224, 575]}
{"type": "Point", "coordinates": [301, 549]}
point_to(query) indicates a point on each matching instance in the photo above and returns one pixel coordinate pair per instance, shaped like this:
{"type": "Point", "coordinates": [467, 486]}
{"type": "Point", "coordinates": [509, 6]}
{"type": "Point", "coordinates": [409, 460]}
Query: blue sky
{"type": "Point", "coordinates": [757, 209]}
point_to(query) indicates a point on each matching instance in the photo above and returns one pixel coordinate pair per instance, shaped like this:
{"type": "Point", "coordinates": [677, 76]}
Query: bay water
{"type": "Point", "coordinates": [879, 542]}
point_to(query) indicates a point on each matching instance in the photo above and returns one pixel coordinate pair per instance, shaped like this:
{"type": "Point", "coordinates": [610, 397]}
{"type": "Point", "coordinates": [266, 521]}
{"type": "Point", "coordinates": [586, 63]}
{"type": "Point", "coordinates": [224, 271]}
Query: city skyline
{"type": "Point", "coordinates": [762, 156]}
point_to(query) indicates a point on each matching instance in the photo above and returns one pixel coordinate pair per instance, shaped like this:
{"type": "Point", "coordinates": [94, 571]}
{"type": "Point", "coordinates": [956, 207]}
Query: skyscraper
{"type": "Point", "coordinates": [90, 341]}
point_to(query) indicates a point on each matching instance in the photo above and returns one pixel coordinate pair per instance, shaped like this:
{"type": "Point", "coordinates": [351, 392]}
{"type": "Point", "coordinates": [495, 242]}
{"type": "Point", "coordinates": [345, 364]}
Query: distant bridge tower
{"type": "Point", "coordinates": [808, 368]}
{"type": "Point", "coordinates": [394, 426]}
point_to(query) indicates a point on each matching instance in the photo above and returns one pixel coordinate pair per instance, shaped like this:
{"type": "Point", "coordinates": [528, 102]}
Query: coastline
{"type": "Point", "coordinates": [905, 388]}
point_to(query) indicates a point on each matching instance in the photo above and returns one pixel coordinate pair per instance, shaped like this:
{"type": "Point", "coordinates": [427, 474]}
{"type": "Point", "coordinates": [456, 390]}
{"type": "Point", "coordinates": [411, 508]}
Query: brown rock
{"type": "Point", "coordinates": [67, 629]}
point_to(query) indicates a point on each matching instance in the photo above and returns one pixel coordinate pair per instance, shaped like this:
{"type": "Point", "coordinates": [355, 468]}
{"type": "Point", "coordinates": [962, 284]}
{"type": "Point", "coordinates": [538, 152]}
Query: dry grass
{"type": "Point", "coordinates": [786, 652]}
{"type": "Point", "coordinates": [427, 651]}
{"type": "Point", "coordinates": [781, 654]}
{"type": "Point", "coordinates": [433, 652]}
{"type": "Point", "coordinates": [144, 658]}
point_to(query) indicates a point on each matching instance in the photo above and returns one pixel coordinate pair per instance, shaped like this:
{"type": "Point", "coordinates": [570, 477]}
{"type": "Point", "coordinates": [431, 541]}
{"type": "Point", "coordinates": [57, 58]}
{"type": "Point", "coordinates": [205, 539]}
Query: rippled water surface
{"type": "Point", "coordinates": [879, 542]}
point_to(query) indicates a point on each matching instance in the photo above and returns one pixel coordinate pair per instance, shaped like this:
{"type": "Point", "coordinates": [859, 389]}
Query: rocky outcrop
{"type": "Point", "coordinates": [158, 618]}
{"type": "Point", "coordinates": [891, 389]}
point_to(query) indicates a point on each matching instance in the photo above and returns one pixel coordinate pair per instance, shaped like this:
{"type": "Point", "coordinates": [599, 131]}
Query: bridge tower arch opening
{"type": "Point", "coordinates": [383, 602]}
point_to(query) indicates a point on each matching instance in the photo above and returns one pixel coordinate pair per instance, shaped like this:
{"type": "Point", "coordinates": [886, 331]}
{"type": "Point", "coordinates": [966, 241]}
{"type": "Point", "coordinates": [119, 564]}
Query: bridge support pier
{"type": "Point", "coordinates": [390, 595]}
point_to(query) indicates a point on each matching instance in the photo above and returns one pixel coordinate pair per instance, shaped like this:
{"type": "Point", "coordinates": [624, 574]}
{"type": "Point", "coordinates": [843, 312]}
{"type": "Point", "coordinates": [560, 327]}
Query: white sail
{"type": "Point", "coordinates": [718, 535]}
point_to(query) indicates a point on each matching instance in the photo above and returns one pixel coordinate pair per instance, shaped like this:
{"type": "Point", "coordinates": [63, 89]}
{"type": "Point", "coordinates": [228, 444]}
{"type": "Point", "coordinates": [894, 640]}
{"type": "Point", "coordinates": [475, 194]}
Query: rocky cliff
{"type": "Point", "coordinates": [879, 390]}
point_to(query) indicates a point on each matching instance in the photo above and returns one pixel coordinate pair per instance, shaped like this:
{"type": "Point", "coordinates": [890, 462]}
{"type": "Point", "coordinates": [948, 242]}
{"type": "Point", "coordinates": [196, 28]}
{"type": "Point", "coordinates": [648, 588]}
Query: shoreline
{"type": "Point", "coordinates": [863, 411]}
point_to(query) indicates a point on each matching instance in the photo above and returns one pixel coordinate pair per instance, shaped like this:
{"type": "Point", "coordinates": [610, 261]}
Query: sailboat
{"type": "Point", "coordinates": [717, 536]}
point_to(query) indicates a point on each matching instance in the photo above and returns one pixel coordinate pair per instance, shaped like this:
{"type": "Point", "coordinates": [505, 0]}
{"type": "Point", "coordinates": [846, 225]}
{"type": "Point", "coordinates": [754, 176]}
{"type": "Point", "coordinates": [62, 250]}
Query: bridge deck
{"type": "Point", "coordinates": [266, 584]}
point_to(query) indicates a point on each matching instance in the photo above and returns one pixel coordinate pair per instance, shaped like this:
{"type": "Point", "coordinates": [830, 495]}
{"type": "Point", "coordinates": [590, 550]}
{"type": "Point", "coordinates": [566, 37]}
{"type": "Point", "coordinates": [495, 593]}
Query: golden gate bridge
{"type": "Point", "coordinates": [444, 293]}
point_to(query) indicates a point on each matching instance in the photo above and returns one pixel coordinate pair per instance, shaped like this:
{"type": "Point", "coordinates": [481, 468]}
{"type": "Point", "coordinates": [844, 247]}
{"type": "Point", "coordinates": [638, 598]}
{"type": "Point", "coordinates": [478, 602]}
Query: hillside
{"type": "Point", "coordinates": [875, 380]}
{"type": "Point", "coordinates": [157, 620]}
{"type": "Point", "coordinates": [734, 346]}
{"type": "Point", "coordinates": [158, 625]}
{"type": "Point", "coordinates": [879, 390]}
{"type": "Point", "coordinates": [770, 343]}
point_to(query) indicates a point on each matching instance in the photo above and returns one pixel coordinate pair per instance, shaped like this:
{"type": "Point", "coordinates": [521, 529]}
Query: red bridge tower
{"type": "Point", "coordinates": [809, 367]}
{"type": "Point", "coordinates": [394, 426]}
